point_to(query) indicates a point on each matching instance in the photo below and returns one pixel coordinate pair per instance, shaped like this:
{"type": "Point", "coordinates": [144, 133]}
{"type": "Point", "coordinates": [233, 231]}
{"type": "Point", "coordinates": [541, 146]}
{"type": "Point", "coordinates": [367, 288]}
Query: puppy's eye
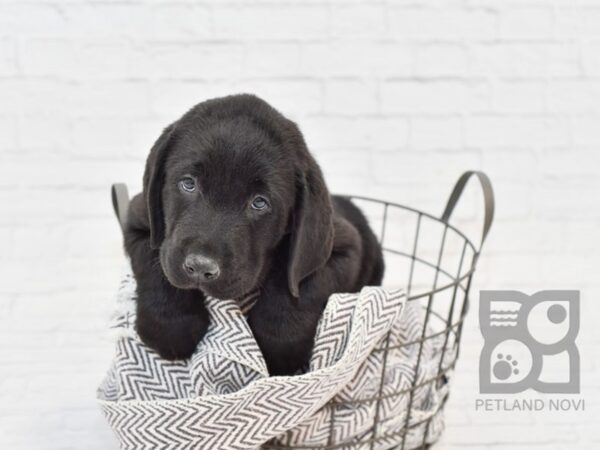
{"type": "Point", "coordinates": [259, 203]}
{"type": "Point", "coordinates": [187, 184]}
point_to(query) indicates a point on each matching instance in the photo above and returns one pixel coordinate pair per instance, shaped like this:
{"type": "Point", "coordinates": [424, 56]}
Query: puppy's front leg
{"type": "Point", "coordinates": [284, 327]}
{"type": "Point", "coordinates": [169, 320]}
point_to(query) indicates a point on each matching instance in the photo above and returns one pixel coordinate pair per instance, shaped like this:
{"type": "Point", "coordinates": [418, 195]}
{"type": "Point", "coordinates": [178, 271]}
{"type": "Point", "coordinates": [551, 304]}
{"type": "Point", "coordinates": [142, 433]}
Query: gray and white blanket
{"type": "Point", "coordinates": [223, 398]}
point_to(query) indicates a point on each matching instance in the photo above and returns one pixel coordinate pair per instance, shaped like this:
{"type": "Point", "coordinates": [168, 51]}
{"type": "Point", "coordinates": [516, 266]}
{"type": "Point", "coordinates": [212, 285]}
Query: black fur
{"type": "Point", "coordinates": [304, 246]}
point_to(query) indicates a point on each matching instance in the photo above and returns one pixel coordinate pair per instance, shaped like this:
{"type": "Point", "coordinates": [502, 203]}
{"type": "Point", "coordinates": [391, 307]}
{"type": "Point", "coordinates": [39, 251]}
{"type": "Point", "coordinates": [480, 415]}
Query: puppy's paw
{"type": "Point", "coordinates": [175, 338]}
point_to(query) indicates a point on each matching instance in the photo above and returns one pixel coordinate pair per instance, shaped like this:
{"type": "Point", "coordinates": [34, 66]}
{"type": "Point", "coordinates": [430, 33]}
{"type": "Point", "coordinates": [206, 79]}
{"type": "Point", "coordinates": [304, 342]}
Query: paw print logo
{"type": "Point", "coordinates": [505, 367]}
{"type": "Point", "coordinates": [523, 336]}
{"type": "Point", "coordinates": [510, 362]}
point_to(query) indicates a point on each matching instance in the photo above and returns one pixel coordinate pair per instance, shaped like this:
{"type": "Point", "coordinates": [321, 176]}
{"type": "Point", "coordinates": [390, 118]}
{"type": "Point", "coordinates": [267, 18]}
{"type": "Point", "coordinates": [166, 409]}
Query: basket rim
{"type": "Point", "coordinates": [456, 280]}
{"type": "Point", "coordinates": [388, 203]}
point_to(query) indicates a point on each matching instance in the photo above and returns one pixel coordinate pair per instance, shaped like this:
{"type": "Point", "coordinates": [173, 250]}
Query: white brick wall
{"type": "Point", "coordinates": [396, 99]}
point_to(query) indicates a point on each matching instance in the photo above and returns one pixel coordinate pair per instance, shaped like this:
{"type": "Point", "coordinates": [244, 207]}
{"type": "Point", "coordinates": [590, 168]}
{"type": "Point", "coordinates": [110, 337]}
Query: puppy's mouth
{"type": "Point", "coordinates": [222, 289]}
{"type": "Point", "coordinates": [227, 289]}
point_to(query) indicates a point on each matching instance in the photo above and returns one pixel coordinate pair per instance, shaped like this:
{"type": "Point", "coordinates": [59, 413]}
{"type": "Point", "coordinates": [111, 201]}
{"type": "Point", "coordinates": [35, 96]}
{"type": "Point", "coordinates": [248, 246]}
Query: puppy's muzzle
{"type": "Point", "coordinates": [201, 268]}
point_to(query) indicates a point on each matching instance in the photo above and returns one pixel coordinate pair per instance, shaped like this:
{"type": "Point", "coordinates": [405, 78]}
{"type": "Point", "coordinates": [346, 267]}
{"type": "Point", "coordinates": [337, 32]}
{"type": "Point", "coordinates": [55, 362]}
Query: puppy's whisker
{"type": "Point", "coordinates": [155, 264]}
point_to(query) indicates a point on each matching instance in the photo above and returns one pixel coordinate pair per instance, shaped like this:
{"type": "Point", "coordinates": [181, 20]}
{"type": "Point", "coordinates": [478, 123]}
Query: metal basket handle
{"type": "Point", "coordinates": [120, 201]}
{"type": "Point", "coordinates": [488, 200]}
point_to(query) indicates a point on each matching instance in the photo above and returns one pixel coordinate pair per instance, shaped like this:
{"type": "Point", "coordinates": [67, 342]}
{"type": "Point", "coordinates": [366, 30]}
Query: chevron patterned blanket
{"type": "Point", "coordinates": [222, 397]}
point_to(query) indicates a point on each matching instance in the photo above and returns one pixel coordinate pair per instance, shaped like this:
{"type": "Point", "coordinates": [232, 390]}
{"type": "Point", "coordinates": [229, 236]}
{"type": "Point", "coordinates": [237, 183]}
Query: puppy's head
{"type": "Point", "coordinates": [229, 188]}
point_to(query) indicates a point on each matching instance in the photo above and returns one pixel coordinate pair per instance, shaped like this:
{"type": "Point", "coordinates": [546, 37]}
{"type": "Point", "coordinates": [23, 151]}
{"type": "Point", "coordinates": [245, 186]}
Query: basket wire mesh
{"type": "Point", "coordinates": [440, 261]}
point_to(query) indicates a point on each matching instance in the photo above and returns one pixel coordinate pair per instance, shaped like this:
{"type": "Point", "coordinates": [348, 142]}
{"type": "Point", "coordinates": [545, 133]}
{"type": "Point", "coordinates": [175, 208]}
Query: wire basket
{"type": "Point", "coordinates": [439, 261]}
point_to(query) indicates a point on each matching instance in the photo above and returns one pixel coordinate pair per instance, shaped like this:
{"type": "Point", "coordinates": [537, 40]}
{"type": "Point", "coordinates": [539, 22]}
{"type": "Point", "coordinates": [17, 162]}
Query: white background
{"type": "Point", "coordinates": [396, 98]}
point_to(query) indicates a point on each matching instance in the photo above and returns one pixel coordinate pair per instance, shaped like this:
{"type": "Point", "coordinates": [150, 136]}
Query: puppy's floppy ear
{"type": "Point", "coordinates": [311, 239]}
{"type": "Point", "coordinates": [154, 177]}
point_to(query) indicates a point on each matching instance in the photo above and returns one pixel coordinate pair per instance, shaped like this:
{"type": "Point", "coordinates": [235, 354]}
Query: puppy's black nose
{"type": "Point", "coordinates": [201, 267]}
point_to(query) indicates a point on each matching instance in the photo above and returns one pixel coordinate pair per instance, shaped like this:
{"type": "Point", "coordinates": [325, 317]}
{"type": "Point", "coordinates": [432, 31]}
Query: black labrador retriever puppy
{"type": "Point", "coordinates": [232, 203]}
